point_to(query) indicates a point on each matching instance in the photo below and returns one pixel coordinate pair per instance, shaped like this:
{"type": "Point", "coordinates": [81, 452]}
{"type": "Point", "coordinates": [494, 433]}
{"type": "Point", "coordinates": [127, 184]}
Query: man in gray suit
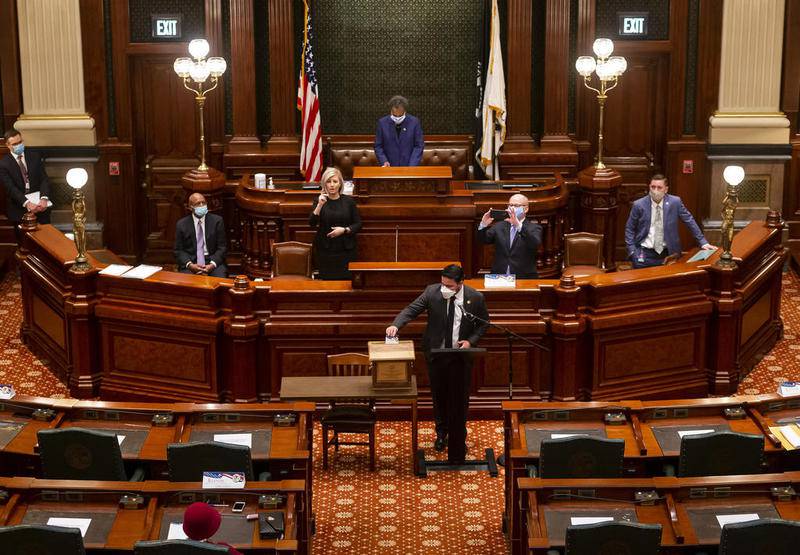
{"type": "Point", "coordinates": [450, 306]}
{"type": "Point", "coordinates": [651, 233]}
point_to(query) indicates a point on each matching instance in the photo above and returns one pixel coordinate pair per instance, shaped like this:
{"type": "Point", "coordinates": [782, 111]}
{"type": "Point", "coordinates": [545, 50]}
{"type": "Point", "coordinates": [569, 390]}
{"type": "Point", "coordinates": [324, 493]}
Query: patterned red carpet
{"type": "Point", "coordinates": [391, 511]}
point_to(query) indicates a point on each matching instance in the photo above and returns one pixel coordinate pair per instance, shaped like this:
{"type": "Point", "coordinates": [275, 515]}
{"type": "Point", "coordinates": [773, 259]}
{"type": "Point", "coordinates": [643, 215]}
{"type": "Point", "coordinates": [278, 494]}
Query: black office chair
{"type": "Point", "coordinates": [766, 537]}
{"type": "Point", "coordinates": [27, 539]}
{"type": "Point", "coordinates": [613, 538]}
{"type": "Point", "coordinates": [78, 454]}
{"type": "Point", "coordinates": [581, 457]}
{"type": "Point", "coordinates": [187, 461]}
{"type": "Point", "coordinates": [720, 454]}
{"type": "Point", "coordinates": [176, 547]}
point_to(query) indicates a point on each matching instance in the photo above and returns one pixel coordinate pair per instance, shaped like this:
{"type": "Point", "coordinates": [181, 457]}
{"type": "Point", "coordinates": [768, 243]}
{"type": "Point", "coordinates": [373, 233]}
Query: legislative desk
{"type": "Point", "coordinates": [675, 331]}
{"type": "Point", "coordinates": [123, 513]}
{"type": "Point", "coordinates": [686, 508]}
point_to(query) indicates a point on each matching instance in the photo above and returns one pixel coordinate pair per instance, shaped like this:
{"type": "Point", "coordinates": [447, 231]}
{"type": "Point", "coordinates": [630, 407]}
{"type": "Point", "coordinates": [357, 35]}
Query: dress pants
{"type": "Point", "coordinates": [451, 378]}
{"type": "Point", "coordinates": [219, 271]}
{"type": "Point", "coordinates": [645, 258]}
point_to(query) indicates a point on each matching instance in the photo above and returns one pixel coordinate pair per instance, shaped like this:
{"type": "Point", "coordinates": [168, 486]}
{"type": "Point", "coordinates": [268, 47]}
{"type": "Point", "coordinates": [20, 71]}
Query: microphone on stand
{"type": "Point", "coordinates": [469, 315]}
{"type": "Point", "coordinates": [396, 241]}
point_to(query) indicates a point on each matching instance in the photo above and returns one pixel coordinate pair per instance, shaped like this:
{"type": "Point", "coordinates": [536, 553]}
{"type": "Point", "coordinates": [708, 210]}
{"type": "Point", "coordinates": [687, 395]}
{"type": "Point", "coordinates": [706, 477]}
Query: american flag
{"type": "Point", "coordinates": [308, 104]}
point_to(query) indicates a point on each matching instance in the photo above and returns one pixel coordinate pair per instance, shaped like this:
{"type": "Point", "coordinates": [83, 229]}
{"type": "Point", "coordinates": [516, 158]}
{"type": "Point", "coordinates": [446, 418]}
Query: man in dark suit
{"type": "Point", "coordinates": [398, 139]}
{"type": "Point", "coordinates": [22, 173]}
{"type": "Point", "coordinates": [516, 240]}
{"type": "Point", "coordinates": [200, 244]}
{"type": "Point", "coordinates": [450, 305]}
{"type": "Point", "coordinates": [651, 232]}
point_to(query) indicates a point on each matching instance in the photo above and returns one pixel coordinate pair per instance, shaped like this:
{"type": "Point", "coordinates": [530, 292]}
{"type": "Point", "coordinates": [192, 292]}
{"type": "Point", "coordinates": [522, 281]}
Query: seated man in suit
{"type": "Point", "coordinates": [22, 173]}
{"type": "Point", "coordinates": [398, 139]}
{"type": "Point", "coordinates": [516, 240]}
{"type": "Point", "coordinates": [200, 244]}
{"type": "Point", "coordinates": [450, 306]}
{"type": "Point", "coordinates": [651, 232]}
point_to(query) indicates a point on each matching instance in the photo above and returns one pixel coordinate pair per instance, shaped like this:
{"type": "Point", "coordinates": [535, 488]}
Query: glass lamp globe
{"type": "Point", "coordinates": [199, 72]}
{"type": "Point", "coordinates": [733, 175]}
{"type": "Point", "coordinates": [585, 65]}
{"type": "Point", "coordinates": [183, 67]}
{"type": "Point", "coordinates": [77, 178]}
{"type": "Point", "coordinates": [198, 48]}
{"type": "Point", "coordinates": [606, 71]}
{"type": "Point", "coordinates": [603, 48]}
{"type": "Point", "coordinates": [216, 66]}
{"type": "Point", "coordinates": [619, 64]}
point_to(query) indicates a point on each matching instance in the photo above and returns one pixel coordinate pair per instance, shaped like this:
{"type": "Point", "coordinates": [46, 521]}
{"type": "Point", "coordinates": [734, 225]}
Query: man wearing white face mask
{"type": "Point", "coordinates": [398, 139]}
{"type": "Point", "coordinates": [651, 232]}
{"type": "Point", "coordinates": [516, 239]}
{"type": "Point", "coordinates": [449, 305]}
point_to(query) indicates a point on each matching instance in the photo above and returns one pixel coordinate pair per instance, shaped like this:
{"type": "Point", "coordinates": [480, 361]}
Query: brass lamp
{"type": "Point", "coordinates": [77, 178]}
{"type": "Point", "coordinates": [205, 73]}
{"type": "Point", "coordinates": [608, 69]}
{"type": "Point", "coordinates": [733, 176]}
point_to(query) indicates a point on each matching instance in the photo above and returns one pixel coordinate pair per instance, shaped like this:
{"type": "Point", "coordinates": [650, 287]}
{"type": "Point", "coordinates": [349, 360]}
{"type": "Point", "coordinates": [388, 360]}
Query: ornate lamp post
{"type": "Point", "coordinates": [733, 176]}
{"type": "Point", "coordinates": [77, 178]}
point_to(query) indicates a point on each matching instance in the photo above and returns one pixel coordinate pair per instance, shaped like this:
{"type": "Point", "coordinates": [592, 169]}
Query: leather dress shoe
{"type": "Point", "coordinates": [440, 443]}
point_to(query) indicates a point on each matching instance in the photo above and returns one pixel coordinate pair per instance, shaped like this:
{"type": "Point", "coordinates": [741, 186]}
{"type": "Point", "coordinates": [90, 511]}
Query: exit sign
{"type": "Point", "coordinates": [633, 24]}
{"type": "Point", "coordinates": [166, 26]}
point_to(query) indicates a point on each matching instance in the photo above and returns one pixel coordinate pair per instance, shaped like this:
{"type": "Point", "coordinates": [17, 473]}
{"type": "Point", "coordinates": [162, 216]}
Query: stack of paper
{"type": "Point", "coordinates": [115, 269]}
{"type": "Point", "coordinates": [34, 198]}
{"type": "Point", "coordinates": [142, 271]}
{"type": "Point", "coordinates": [499, 280]}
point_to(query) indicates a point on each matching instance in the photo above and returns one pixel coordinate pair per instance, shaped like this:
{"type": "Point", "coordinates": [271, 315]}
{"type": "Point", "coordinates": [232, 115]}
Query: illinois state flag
{"type": "Point", "coordinates": [494, 103]}
{"type": "Point", "coordinates": [308, 104]}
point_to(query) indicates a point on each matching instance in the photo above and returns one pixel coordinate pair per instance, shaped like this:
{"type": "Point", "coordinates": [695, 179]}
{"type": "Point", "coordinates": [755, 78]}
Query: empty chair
{"type": "Point", "coordinates": [291, 259]}
{"type": "Point", "coordinates": [613, 538]}
{"type": "Point", "coordinates": [176, 547]}
{"type": "Point", "coordinates": [30, 539]}
{"type": "Point", "coordinates": [721, 453]}
{"type": "Point", "coordinates": [79, 454]}
{"type": "Point", "coordinates": [769, 537]}
{"type": "Point", "coordinates": [581, 457]}
{"type": "Point", "coordinates": [583, 254]}
{"type": "Point", "coordinates": [186, 462]}
{"type": "Point", "coordinates": [357, 416]}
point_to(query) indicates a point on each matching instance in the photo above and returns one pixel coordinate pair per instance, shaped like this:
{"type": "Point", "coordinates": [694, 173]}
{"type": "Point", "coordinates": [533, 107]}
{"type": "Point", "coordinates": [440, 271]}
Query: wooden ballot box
{"type": "Point", "coordinates": [392, 364]}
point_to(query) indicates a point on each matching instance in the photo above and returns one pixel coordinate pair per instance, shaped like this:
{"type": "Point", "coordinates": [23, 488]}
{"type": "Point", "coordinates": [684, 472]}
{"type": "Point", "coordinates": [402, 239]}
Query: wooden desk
{"type": "Point", "coordinates": [396, 275]}
{"type": "Point", "coordinates": [402, 181]}
{"type": "Point", "coordinates": [341, 388]}
{"type": "Point", "coordinates": [113, 527]}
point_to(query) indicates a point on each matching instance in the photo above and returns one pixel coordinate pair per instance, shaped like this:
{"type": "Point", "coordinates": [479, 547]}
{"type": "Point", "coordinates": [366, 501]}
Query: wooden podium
{"type": "Point", "coordinates": [402, 180]}
{"type": "Point", "coordinates": [392, 364]}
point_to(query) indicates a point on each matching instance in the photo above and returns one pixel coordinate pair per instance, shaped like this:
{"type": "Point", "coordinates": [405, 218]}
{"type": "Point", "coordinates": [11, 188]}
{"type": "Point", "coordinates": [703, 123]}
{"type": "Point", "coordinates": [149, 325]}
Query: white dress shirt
{"type": "Point", "coordinates": [649, 241]}
{"type": "Point", "coordinates": [458, 299]}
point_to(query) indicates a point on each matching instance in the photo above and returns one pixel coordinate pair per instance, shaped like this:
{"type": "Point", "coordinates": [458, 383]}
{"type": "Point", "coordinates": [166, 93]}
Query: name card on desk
{"type": "Point", "coordinates": [223, 480]}
{"type": "Point", "coordinates": [578, 520]}
{"type": "Point", "coordinates": [235, 439]}
{"type": "Point", "coordinates": [81, 524]}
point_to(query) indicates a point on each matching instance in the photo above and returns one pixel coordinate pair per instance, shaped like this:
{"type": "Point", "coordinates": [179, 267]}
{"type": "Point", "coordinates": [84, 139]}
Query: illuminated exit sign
{"type": "Point", "coordinates": [633, 24]}
{"type": "Point", "coordinates": [166, 26]}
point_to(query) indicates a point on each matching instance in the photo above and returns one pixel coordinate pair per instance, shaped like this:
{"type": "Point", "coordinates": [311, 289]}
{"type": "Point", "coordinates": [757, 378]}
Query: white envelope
{"type": "Point", "coordinates": [235, 439]}
{"type": "Point", "coordinates": [578, 520]}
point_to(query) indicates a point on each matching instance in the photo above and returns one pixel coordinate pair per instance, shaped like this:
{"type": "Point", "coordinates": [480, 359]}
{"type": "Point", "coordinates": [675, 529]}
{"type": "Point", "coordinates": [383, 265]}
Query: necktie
{"type": "Point", "coordinates": [658, 233]}
{"type": "Point", "coordinates": [24, 171]}
{"type": "Point", "coordinates": [512, 236]}
{"type": "Point", "coordinates": [201, 244]}
{"type": "Point", "coordinates": [448, 329]}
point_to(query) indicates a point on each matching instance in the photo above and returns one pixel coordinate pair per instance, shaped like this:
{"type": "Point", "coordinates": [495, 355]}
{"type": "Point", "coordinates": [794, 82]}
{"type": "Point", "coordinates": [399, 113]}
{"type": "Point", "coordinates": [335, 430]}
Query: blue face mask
{"type": "Point", "coordinates": [520, 211]}
{"type": "Point", "coordinates": [200, 211]}
{"type": "Point", "coordinates": [18, 149]}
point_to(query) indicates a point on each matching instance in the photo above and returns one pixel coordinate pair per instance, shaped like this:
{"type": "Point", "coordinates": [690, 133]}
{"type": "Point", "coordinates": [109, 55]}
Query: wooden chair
{"type": "Point", "coordinates": [583, 254]}
{"type": "Point", "coordinates": [355, 417]}
{"type": "Point", "coordinates": [291, 259]}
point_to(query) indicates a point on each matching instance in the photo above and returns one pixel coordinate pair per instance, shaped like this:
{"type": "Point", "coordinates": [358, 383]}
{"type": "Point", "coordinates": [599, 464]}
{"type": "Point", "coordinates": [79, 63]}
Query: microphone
{"type": "Point", "coordinates": [460, 306]}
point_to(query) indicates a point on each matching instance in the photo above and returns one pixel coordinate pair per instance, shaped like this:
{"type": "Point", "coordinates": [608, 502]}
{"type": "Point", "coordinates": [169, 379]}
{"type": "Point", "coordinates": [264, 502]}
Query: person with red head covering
{"type": "Point", "coordinates": [201, 521]}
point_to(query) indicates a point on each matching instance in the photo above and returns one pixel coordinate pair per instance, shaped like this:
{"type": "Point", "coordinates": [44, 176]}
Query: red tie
{"type": "Point", "coordinates": [24, 171]}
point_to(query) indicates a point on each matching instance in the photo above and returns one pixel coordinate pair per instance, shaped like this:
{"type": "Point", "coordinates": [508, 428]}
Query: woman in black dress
{"type": "Point", "coordinates": [335, 217]}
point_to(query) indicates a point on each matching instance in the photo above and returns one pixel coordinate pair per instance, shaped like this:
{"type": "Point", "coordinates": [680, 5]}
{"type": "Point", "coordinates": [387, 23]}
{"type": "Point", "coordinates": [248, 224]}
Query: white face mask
{"type": "Point", "coordinates": [398, 119]}
{"type": "Point", "coordinates": [657, 195]}
{"type": "Point", "coordinates": [447, 292]}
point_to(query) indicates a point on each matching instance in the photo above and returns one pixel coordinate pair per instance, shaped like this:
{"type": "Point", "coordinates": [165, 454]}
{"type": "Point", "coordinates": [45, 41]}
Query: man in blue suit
{"type": "Point", "coordinates": [651, 233]}
{"type": "Point", "coordinates": [398, 139]}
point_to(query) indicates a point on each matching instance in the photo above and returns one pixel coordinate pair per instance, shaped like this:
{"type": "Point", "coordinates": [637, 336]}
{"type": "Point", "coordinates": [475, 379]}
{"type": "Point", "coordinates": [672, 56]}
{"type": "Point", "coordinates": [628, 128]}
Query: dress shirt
{"type": "Point", "coordinates": [458, 299]}
{"type": "Point", "coordinates": [649, 241]}
{"type": "Point", "coordinates": [197, 221]}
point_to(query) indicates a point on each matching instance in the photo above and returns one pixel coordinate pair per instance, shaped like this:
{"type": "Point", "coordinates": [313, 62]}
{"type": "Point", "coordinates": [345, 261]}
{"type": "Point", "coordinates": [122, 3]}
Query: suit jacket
{"type": "Point", "coordinates": [431, 300]}
{"type": "Point", "coordinates": [14, 184]}
{"type": "Point", "coordinates": [405, 150]}
{"type": "Point", "coordinates": [186, 240]}
{"type": "Point", "coordinates": [638, 224]}
{"type": "Point", "coordinates": [520, 255]}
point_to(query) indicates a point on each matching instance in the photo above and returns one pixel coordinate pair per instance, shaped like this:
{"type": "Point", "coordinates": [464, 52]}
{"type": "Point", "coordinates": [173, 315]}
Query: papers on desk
{"type": "Point", "coordinates": [141, 271]}
{"type": "Point", "coordinates": [494, 281]}
{"type": "Point", "coordinates": [562, 436]}
{"type": "Point", "coordinates": [34, 198]}
{"type": "Point", "coordinates": [683, 433]}
{"type": "Point", "coordinates": [578, 520]}
{"type": "Point", "coordinates": [7, 391]}
{"type": "Point", "coordinates": [223, 480]}
{"type": "Point", "coordinates": [789, 435]}
{"type": "Point", "coordinates": [120, 439]}
{"type": "Point", "coordinates": [176, 531]}
{"type": "Point", "coordinates": [789, 389]}
{"type": "Point", "coordinates": [733, 519]}
{"type": "Point", "coordinates": [235, 439]}
{"type": "Point", "coordinates": [80, 523]}
{"type": "Point", "coordinates": [115, 269]}
{"type": "Point", "coordinates": [702, 254]}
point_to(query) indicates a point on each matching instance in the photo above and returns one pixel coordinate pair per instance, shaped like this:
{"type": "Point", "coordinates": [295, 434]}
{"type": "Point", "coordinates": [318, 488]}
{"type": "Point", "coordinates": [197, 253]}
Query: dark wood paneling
{"type": "Point", "coordinates": [9, 65]}
{"type": "Point", "coordinates": [557, 76]}
{"type": "Point", "coordinates": [283, 80]}
{"type": "Point", "coordinates": [243, 74]}
{"type": "Point", "coordinates": [519, 70]}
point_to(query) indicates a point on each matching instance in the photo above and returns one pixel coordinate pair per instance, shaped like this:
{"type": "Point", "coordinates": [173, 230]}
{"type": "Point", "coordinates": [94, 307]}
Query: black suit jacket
{"type": "Point", "coordinates": [186, 240]}
{"type": "Point", "coordinates": [520, 256]}
{"type": "Point", "coordinates": [14, 184]}
{"type": "Point", "coordinates": [431, 300]}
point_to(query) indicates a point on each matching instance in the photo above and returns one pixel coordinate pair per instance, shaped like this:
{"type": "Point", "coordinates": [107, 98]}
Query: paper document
{"type": "Point", "coordinates": [120, 439]}
{"type": "Point", "coordinates": [115, 269]}
{"type": "Point", "coordinates": [80, 523]}
{"type": "Point", "coordinates": [578, 520]}
{"type": "Point", "coordinates": [683, 433]}
{"type": "Point", "coordinates": [702, 254]}
{"type": "Point", "coordinates": [562, 436]}
{"type": "Point", "coordinates": [791, 435]}
{"type": "Point", "coordinates": [34, 198]}
{"type": "Point", "coordinates": [235, 439]}
{"type": "Point", "coordinates": [176, 531]}
{"type": "Point", "coordinates": [141, 271]}
{"type": "Point", "coordinates": [733, 519]}
{"type": "Point", "coordinates": [499, 280]}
